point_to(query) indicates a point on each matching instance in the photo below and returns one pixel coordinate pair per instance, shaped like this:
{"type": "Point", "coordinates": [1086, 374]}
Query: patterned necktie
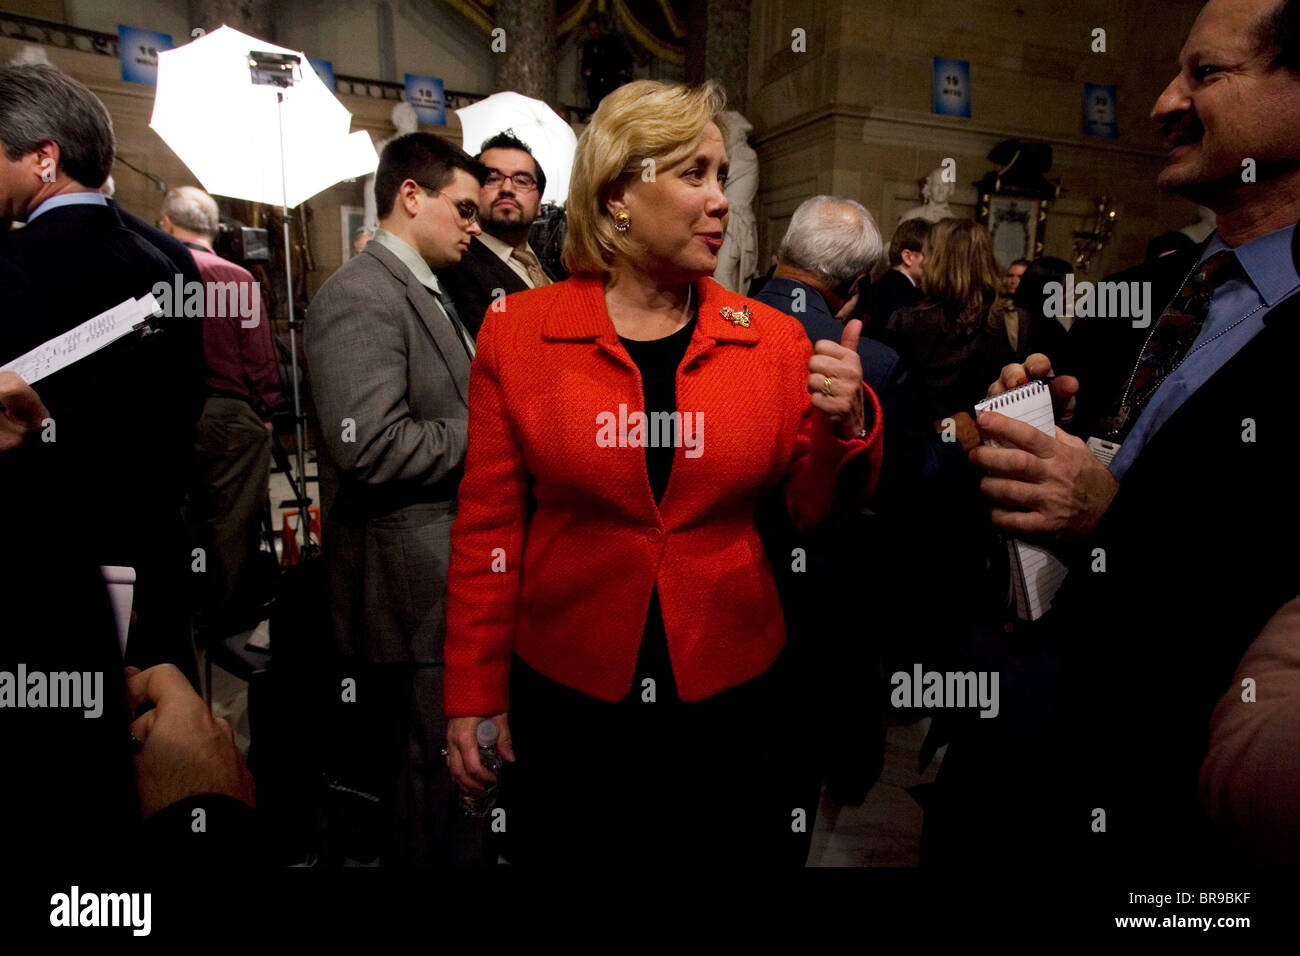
{"type": "Point", "coordinates": [444, 300]}
{"type": "Point", "coordinates": [528, 259]}
{"type": "Point", "coordinates": [1171, 339]}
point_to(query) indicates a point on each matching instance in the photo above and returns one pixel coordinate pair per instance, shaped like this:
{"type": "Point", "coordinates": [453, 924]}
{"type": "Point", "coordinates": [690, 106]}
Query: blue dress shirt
{"type": "Point", "coordinates": [68, 199]}
{"type": "Point", "coordinates": [1272, 278]}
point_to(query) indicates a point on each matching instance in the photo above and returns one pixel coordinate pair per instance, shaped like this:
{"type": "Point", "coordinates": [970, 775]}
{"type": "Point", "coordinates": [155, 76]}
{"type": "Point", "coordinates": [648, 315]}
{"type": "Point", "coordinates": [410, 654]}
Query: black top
{"type": "Point", "coordinates": [657, 360]}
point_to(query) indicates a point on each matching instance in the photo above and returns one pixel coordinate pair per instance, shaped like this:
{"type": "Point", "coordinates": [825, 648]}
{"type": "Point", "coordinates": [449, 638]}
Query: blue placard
{"type": "Point", "coordinates": [325, 70]}
{"type": "Point", "coordinates": [139, 51]}
{"type": "Point", "coordinates": [952, 87]}
{"type": "Point", "coordinates": [1100, 113]}
{"type": "Point", "coordinates": [425, 94]}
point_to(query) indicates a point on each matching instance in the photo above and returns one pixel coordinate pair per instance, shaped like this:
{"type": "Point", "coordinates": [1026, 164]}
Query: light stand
{"type": "Point", "coordinates": [282, 70]}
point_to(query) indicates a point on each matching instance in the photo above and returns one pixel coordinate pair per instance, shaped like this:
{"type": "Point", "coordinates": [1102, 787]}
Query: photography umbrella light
{"type": "Point", "coordinates": [551, 139]}
{"type": "Point", "coordinates": [253, 121]}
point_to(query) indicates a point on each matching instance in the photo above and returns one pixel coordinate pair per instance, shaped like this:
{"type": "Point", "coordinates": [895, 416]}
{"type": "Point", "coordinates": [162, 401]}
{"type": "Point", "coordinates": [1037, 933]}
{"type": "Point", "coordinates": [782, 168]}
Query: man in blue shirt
{"type": "Point", "coordinates": [1182, 548]}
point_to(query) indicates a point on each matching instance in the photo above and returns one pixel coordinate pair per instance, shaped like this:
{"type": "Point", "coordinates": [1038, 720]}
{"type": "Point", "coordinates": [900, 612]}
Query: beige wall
{"type": "Point", "coordinates": [852, 115]}
{"type": "Point", "coordinates": [430, 38]}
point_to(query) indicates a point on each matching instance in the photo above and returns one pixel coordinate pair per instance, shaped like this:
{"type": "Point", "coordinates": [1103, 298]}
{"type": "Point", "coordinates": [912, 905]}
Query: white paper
{"type": "Point", "coordinates": [83, 340]}
{"type": "Point", "coordinates": [1036, 573]}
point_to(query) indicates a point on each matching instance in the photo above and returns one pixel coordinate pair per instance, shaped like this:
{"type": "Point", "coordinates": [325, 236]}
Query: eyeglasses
{"type": "Point", "coordinates": [466, 209]}
{"type": "Point", "coordinates": [522, 181]}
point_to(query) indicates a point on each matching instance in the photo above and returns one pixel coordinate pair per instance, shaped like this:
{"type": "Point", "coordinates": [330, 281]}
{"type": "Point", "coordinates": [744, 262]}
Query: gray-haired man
{"type": "Point", "coordinates": [122, 418]}
{"type": "Point", "coordinates": [232, 443]}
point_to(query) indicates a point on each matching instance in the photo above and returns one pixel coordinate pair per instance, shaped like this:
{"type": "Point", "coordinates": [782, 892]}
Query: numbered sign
{"type": "Point", "coordinates": [952, 87]}
{"type": "Point", "coordinates": [425, 94]}
{"type": "Point", "coordinates": [325, 70]}
{"type": "Point", "coordinates": [1100, 114]}
{"type": "Point", "coordinates": [139, 51]}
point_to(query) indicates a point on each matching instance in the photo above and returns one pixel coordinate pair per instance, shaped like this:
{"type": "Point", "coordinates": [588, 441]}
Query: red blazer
{"type": "Point", "coordinates": [568, 589]}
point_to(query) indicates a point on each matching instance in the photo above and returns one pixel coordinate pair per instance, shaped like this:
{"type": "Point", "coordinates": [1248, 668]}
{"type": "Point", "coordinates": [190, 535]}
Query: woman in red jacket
{"type": "Point", "coordinates": [607, 586]}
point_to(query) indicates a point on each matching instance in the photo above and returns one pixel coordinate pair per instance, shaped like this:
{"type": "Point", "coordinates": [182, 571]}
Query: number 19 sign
{"type": "Point", "coordinates": [952, 87]}
{"type": "Point", "coordinates": [425, 94]}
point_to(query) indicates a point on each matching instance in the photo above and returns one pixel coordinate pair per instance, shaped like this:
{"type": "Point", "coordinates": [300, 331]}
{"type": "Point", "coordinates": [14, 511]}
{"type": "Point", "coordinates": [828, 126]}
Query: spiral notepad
{"type": "Point", "coordinates": [1036, 572]}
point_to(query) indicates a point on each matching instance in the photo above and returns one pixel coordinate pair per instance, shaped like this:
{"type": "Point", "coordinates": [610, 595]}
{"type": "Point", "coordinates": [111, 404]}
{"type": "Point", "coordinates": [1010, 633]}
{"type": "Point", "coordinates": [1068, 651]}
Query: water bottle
{"type": "Point", "coordinates": [478, 803]}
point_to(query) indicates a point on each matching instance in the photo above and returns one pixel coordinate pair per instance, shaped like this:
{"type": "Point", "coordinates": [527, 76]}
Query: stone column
{"type": "Point", "coordinates": [253, 17]}
{"type": "Point", "coordinates": [527, 65]}
{"type": "Point", "coordinates": [717, 46]}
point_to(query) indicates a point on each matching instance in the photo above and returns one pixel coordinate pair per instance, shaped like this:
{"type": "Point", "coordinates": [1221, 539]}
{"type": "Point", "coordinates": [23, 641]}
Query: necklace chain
{"type": "Point", "coordinates": [1123, 404]}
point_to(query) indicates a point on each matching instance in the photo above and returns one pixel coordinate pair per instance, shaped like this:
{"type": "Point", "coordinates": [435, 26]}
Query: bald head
{"type": "Point", "coordinates": [831, 238]}
{"type": "Point", "coordinates": [189, 212]}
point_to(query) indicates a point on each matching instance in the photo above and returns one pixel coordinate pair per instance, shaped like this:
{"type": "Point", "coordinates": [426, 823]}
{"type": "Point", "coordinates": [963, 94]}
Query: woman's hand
{"type": "Point", "coordinates": [462, 751]}
{"type": "Point", "coordinates": [838, 370]}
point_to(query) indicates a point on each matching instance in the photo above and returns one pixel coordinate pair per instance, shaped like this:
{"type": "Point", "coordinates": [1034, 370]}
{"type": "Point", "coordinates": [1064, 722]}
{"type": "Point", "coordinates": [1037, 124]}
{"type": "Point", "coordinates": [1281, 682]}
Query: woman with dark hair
{"type": "Point", "coordinates": [608, 587]}
{"type": "Point", "coordinates": [958, 333]}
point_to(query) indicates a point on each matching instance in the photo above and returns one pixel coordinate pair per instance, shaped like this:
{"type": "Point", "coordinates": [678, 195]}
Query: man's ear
{"type": "Point", "coordinates": [44, 161]}
{"type": "Point", "coordinates": [409, 196]}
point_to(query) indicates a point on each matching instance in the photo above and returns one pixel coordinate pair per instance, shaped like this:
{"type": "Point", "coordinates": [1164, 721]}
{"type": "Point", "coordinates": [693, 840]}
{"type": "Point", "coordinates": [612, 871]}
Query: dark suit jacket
{"type": "Point", "coordinates": [390, 377]}
{"type": "Point", "coordinates": [471, 283]}
{"type": "Point", "coordinates": [1199, 551]}
{"type": "Point", "coordinates": [60, 621]}
{"type": "Point", "coordinates": [175, 250]}
{"type": "Point", "coordinates": [907, 438]}
{"type": "Point", "coordinates": [836, 669]}
{"type": "Point", "coordinates": [894, 291]}
{"type": "Point", "coordinates": [124, 417]}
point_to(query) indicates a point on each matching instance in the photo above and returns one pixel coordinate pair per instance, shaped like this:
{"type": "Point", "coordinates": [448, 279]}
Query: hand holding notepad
{"type": "Point", "coordinates": [1036, 572]}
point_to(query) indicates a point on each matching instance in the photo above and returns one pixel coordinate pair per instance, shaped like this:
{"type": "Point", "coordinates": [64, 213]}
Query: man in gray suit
{"type": "Point", "coordinates": [389, 362]}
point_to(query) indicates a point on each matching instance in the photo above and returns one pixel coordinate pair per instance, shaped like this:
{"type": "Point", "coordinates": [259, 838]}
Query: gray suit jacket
{"type": "Point", "coordinates": [390, 379]}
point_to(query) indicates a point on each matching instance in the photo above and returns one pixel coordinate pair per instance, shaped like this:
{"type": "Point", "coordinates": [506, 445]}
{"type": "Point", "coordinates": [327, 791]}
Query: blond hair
{"type": "Point", "coordinates": [961, 274]}
{"type": "Point", "coordinates": [642, 120]}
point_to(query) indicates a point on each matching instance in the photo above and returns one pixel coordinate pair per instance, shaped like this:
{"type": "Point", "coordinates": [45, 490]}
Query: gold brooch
{"type": "Point", "coordinates": [740, 318]}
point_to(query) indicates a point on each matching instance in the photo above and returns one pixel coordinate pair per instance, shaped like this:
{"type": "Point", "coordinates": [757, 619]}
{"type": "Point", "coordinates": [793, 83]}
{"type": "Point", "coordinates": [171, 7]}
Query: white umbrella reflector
{"type": "Point", "coordinates": [551, 139]}
{"type": "Point", "coordinates": [228, 131]}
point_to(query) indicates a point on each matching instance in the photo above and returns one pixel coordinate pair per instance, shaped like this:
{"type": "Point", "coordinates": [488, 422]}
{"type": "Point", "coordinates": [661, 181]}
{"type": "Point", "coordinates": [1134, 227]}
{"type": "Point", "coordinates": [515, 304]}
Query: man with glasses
{"type": "Point", "coordinates": [500, 261]}
{"type": "Point", "coordinates": [388, 359]}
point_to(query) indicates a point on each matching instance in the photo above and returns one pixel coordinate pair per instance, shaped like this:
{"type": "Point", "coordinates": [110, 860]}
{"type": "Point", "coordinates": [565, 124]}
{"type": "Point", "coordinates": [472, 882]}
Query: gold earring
{"type": "Point", "coordinates": [622, 221]}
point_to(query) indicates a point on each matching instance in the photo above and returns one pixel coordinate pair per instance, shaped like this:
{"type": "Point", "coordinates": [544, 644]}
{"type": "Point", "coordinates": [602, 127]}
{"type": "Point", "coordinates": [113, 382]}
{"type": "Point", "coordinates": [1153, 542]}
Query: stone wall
{"type": "Point", "coordinates": [853, 114]}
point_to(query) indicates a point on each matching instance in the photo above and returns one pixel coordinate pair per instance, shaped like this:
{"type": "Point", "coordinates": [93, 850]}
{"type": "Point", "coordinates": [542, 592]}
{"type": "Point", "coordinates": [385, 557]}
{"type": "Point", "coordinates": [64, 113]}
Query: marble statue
{"type": "Point", "coordinates": [936, 192]}
{"type": "Point", "coordinates": [738, 256]}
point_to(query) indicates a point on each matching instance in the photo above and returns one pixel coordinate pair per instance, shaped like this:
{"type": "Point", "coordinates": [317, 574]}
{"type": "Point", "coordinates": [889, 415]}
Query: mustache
{"type": "Point", "coordinates": [1183, 127]}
